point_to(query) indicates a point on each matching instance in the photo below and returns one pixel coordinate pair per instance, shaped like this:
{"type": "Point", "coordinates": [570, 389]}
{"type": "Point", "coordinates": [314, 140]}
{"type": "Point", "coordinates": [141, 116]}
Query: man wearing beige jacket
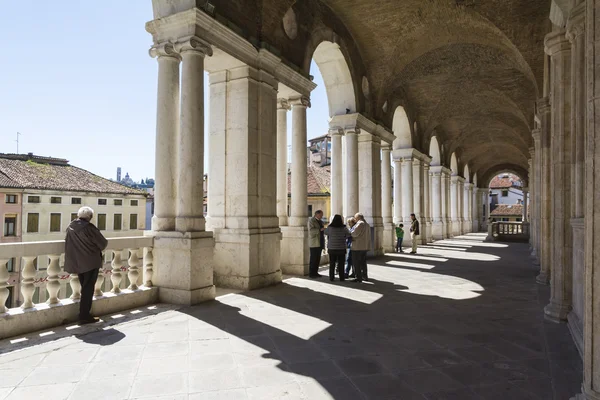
{"type": "Point", "coordinates": [361, 244]}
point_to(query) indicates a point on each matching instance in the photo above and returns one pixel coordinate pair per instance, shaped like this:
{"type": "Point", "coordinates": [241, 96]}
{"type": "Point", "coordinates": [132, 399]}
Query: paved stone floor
{"type": "Point", "coordinates": [460, 320]}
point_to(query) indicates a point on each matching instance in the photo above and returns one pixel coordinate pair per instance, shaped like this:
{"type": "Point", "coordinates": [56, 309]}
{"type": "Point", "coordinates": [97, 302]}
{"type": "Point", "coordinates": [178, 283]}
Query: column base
{"type": "Point", "coordinates": [295, 253]}
{"type": "Point", "coordinates": [389, 238]}
{"type": "Point", "coordinates": [543, 278]}
{"type": "Point", "coordinates": [428, 232]}
{"type": "Point", "coordinates": [377, 240]}
{"type": "Point", "coordinates": [196, 224]}
{"type": "Point", "coordinates": [576, 328]}
{"type": "Point", "coordinates": [475, 226]}
{"type": "Point", "coordinates": [160, 224]}
{"type": "Point", "coordinates": [183, 267]}
{"type": "Point", "coordinates": [456, 228]}
{"type": "Point", "coordinates": [247, 259]}
{"type": "Point", "coordinates": [437, 230]}
{"type": "Point", "coordinates": [556, 312]}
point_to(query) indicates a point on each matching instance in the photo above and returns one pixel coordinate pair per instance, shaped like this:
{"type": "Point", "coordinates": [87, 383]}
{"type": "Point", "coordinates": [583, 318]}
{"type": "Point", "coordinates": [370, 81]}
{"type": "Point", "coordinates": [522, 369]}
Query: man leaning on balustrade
{"type": "Point", "coordinates": [83, 256]}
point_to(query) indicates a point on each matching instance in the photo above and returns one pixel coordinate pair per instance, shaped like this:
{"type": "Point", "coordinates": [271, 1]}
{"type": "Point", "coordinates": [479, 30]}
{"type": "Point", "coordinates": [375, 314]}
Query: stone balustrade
{"type": "Point", "coordinates": [127, 286]}
{"type": "Point", "coordinates": [509, 231]}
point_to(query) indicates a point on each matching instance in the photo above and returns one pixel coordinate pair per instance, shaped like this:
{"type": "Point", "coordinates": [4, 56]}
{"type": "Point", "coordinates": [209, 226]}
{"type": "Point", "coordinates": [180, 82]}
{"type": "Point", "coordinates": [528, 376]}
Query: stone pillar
{"type": "Point", "coordinates": [407, 190]}
{"type": "Point", "coordinates": [369, 172]}
{"type": "Point", "coordinates": [417, 170]}
{"type": "Point", "coordinates": [351, 186]}
{"type": "Point", "coordinates": [244, 144]}
{"type": "Point", "coordinates": [591, 334]}
{"type": "Point", "coordinates": [294, 247]}
{"type": "Point", "coordinates": [167, 133]}
{"type": "Point", "coordinates": [282, 162]}
{"type": "Point", "coordinates": [546, 200]}
{"type": "Point", "coordinates": [466, 209]}
{"type": "Point", "coordinates": [537, 198]}
{"type": "Point", "coordinates": [454, 205]}
{"type": "Point", "coordinates": [437, 199]}
{"type": "Point", "coordinates": [461, 204]}
{"type": "Point", "coordinates": [428, 238]}
{"type": "Point", "coordinates": [525, 204]}
{"type": "Point", "coordinates": [559, 49]}
{"type": "Point", "coordinates": [475, 208]}
{"type": "Point", "coordinates": [386, 199]}
{"type": "Point", "coordinates": [337, 191]}
{"type": "Point", "coordinates": [488, 211]}
{"type": "Point", "coordinates": [446, 222]}
{"type": "Point", "coordinates": [398, 189]}
{"type": "Point", "coordinates": [532, 206]}
{"type": "Point", "coordinates": [183, 250]}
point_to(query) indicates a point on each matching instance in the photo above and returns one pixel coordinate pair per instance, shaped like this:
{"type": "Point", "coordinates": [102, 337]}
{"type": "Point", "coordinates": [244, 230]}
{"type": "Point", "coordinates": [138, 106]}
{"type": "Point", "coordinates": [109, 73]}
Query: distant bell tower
{"type": "Point", "coordinates": [118, 174]}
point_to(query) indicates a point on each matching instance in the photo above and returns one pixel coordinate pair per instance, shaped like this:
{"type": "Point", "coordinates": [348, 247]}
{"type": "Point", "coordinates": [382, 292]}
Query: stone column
{"type": "Point", "coordinates": [525, 204]}
{"type": "Point", "coordinates": [294, 247]}
{"type": "Point", "coordinates": [369, 172]}
{"type": "Point", "coordinates": [185, 247]}
{"type": "Point", "coordinates": [461, 204]}
{"type": "Point", "coordinates": [591, 334]}
{"type": "Point", "coordinates": [428, 238]}
{"type": "Point", "coordinates": [475, 207]}
{"type": "Point", "coordinates": [337, 191]}
{"type": "Point", "coordinates": [537, 198]}
{"type": "Point", "coordinates": [351, 186]}
{"type": "Point", "coordinates": [576, 35]}
{"type": "Point", "coordinates": [244, 145]}
{"type": "Point", "coordinates": [398, 189]}
{"type": "Point", "coordinates": [437, 201]}
{"type": "Point", "coordinates": [417, 170]}
{"type": "Point", "coordinates": [167, 133]}
{"type": "Point", "coordinates": [559, 49]}
{"type": "Point", "coordinates": [446, 222]}
{"type": "Point", "coordinates": [407, 196]}
{"type": "Point", "coordinates": [488, 218]}
{"type": "Point", "coordinates": [465, 208]}
{"type": "Point", "coordinates": [546, 200]}
{"type": "Point", "coordinates": [454, 205]}
{"type": "Point", "coordinates": [386, 199]}
{"type": "Point", "coordinates": [282, 161]}
{"type": "Point", "coordinates": [532, 206]}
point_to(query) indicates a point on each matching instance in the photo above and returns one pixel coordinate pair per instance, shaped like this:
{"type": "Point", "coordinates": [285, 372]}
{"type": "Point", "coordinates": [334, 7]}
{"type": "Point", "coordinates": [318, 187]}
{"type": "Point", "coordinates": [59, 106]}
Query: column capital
{"type": "Point", "coordinates": [165, 49]}
{"type": "Point", "coordinates": [532, 152]}
{"type": "Point", "coordinates": [193, 44]}
{"type": "Point", "coordinates": [336, 132]}
{"type": "Point", "coordinates": [536, 134]}
{"type": "Point", "coordinates": [283, 104]}
{"type": "Point", "coordinates": [386, 147]}
{"type": "Point", "coordinates": [543, 106]}
{"type": "Point", "coordinates": [556, 42]}
{"type": "Point", "coordinates": [576, 22]}
{"type": "Point", "coordinates": [301, 101]}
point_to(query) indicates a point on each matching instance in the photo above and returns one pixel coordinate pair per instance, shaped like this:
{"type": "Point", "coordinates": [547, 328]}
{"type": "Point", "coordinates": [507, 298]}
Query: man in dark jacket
{"type": "Point", "coordinates": [83, 256]}
{"type": "Point", "coordinates": [414, 232]}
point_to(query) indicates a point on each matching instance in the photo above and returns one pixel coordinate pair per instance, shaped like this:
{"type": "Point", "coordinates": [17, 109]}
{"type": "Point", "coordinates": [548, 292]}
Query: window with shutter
{"type": "Point", "coordinates": [33, 222]}
{"type": "Point", "coordinates": [55, 222]}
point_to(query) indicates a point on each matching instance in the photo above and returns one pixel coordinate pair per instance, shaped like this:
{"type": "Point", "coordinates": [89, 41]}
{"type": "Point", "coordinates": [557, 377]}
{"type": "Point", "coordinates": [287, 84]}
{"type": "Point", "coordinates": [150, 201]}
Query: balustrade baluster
{"type": "Point", "coordinates": [75, 287]}
{"type": "Point", "coordinates": [133, 273]}
{"type": "Point", "coordinates": [116, 275]}
{"type": "Point", "coordinates": [3, 285]}
{"type": "Point", "coordinates": [27, 286]}
{"type": "Point", "coordinates": [148, 266]}
{"type": "Point", "coordinates": [53, 285]}
{"type": "Point", "coordinates": [100, 281]}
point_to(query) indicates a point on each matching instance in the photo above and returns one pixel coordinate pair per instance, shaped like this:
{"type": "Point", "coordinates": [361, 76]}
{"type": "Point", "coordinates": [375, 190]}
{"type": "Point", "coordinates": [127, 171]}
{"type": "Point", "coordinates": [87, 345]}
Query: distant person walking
{"type": "Point", "coordinates": [361, 244]}
{"type": "Point", "coordinates": [399, 238]}
{"type": "Point", "coordinates": [316, 242]}
{"type": "Point", "coordinates": [337, 233]}
{"type": "Point", "coordinates": [83, 256]}
{"type": "Point", "coordinates": [414, 232]}
{"type": "Point", "coordinates": [350, 223]}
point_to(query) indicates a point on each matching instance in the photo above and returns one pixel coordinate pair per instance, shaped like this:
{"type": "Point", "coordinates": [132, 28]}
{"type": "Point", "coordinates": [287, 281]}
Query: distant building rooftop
{"type": "Point", "coordinates": [508, 210]}
{"type": "Point", "coordinates": [506, 182]}
{"type": "Point", "coordinates": [28, 171]}
{"type": "Point", "coordinates": [318, 180]}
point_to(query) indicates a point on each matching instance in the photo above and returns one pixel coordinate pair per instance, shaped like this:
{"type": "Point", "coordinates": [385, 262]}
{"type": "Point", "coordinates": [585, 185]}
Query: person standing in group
{"type": "Point", "coordinates": [414, 232]}
{"type": "Point", "coordinates": [351, 222]}
{"type": "Point", "coordinates": [361, 244]}
{"type": "Point", "coordinates": [399, 238]}
{"type": "Point", "coordinates": [316, 242]}
{"type": "Point", "coordinates": [83, 256]}
{"type": "Point", "coordinates": [337, 233]}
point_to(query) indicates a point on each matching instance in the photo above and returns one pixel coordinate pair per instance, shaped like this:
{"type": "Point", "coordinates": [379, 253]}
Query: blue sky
{"type": "Point", "coordinates": [77, 82]}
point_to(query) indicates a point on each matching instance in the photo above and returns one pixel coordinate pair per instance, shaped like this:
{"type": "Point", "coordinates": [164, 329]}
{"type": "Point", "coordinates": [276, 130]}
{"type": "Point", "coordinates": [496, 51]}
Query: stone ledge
{"type": "Point", "coordinates": [18, 322]}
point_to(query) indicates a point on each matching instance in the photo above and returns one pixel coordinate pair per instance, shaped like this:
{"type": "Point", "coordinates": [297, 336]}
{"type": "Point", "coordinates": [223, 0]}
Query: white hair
{"type": "Point", "coordinates": [85, 213]}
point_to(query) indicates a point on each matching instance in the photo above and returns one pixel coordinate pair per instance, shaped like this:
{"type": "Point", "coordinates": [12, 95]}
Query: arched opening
{"type": "Point", "coordinates": [401, 128]}
{"type": "Point", "coordinates": [506, 197]}
{"type": "Point", "coordinates": [454, 164]}
{"type": "Point", "coordinates": [434, 152]}
{"type": "Point", "coordinates": [336, 78]}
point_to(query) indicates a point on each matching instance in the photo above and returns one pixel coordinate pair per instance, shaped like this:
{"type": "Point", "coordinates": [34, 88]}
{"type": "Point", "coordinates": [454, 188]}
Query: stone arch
{"type": "Point", "coordinates": [466, 173]}
{"type": "Point", "coordinates": [454, 164]}
{"type": "Point", "coordinates": [402, 130]}
{"type": "Point", "coordinates": [475, 179]}
{"type": "Point", "coordinates": [487, 177]}
{"type": "Point", "coordinates": [434, 152]}
{"type": "Point", "coordinates": [332, 64]}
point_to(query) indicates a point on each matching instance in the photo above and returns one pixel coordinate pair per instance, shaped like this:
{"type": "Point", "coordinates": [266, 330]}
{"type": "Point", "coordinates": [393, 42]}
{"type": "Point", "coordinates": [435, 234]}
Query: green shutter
{"type": "Point", "coordinates": [55, 222]}
{"type": "Point", "coordinates": [33, 222]}
{"type": "Point", "coordinates": [133, 221]}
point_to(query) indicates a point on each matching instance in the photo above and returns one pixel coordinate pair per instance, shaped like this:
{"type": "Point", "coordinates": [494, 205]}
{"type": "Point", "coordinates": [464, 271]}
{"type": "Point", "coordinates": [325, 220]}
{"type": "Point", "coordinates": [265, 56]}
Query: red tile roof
{"type": "Point", "coordinates": [508, 210]}
{"type": "Point", "coordinates": [318, 180]}
{"type": "Point", "coordinates": [26, 171]}
{"type": "Point", "coordinates": [503, 182]}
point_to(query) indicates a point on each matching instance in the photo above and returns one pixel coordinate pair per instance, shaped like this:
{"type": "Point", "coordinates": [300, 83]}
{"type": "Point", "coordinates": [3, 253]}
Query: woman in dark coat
{"type": "Point", "coordinates": [337, 233]}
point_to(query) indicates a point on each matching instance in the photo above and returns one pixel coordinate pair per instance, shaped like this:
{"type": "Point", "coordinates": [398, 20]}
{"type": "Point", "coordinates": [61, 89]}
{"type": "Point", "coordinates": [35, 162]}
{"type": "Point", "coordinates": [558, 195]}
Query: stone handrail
{"type": "Point", "coordinates": [28, 251]}
{"type": "Point", "coordinates": [507, 230]}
